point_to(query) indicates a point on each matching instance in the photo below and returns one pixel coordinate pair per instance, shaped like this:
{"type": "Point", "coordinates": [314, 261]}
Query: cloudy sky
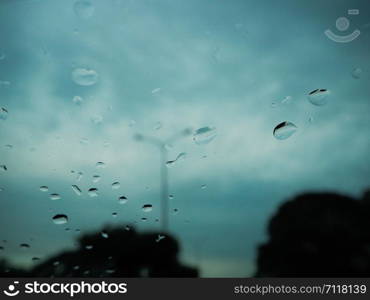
{"type": "Point", "coordinates": [155, 67]}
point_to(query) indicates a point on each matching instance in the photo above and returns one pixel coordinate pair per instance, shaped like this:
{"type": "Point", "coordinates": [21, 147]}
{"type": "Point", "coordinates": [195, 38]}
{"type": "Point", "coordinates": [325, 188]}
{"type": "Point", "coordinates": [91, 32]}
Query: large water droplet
{"type": "Point", "coordinates": [100, 165]}
{"type": "Point", "coordinates": [44, 188]}
{"type": "Point", "coordinates": [122, 200]}
{"type": "Point", "coordinates": [171, 163]}
{"type": "Point", "coordinates": [93, 192]}
{"type": "Point", "coordinates": [204, 135]}
{"type": "Point", "coordinates": [284, 130]}
{"type": "Point", "coordinates": [77, 190]}
{"type": "Point", "coordinates": [318, 97]}
{"type": "Point", "coordinates": [3, 113]}
{"type": "Point", "coordinates": [55, 196]}
{"type": "Point", "coordinates": [84, 77]}
{"type": "Point", "coordinates": [60, 219]}
{"type": "Point", "coordinates": [356, 73]}
{"type": "Point", "coordinates": [116, 185]}
{"type": "Point", "coordinates": [84, 9]}
{"type": "Point", "coordinates": [96, 178]}
{"type": "Point", "coordinates": [24, 246]}
{"type": "Point", "coordinates": [147, 208]}
{"type": "Point", "coordinates": [114, 214]}
{"type": "Point", "coordinates": [104, 234]}
{"type": "Point", "coordinates": [3, 168]}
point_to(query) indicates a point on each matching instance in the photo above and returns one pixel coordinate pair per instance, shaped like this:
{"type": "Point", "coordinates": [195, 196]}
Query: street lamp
{"type": "Point", "coordinates": [161, 145]}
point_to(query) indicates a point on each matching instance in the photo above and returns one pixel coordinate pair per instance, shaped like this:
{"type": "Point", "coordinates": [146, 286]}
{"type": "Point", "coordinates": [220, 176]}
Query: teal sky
{"type": "Point", "coordinates": [166, 65]}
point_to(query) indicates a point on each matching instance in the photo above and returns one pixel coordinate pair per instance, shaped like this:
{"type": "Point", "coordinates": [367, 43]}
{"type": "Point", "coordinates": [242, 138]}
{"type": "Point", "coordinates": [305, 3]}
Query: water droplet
{"type": "Point", "coordinates": [310, 120]}
{"type": "Point", "coordinates": [55, 196]}
{"type": "Point", "coordinates": [97, 119]}
{"type": "Point", "coordinates": [175, 211]}
{"type": "Point", "coordinates": [84, 77]}
{"type": "Point", "coordinates": [122, 200]}
{"type": "Point", "coordinates": [8, 146]}
{"type": "Point", "coordinates": [127, 228]}
{"type": "Point", "coordinates": [24, 246]}
{"type": "Point", "coordinates": [3, 168]}
{"type": "Point", "coordinates": [286, 100]}
{"type": "Point", "coordinates": [77, 100]}
{"type": "Point", "coordinates": [204, 135]}
{"type": "Point", "coordinates": [116, 185]}
{"type": "Point", "coordinates": [56, 263]}
{"type": "Point", "coordinates": [96, 178]}
{"type": "Point", "coordinates": [284, 130]}
{"type": "Point", "coordinates": [158, 126]}
{"type": "Point", "coordinates": [84, 9]}
{"type": "Point", "coordinates": [84, 141]}
{"type": "Point", "coordinates": [144, 219]}
{"type": "Point", "coordinates": [89, 247]}
{"type": "Point", "coordinates": [157, 90]}
{"type": "Point", "coordinates": [100, 165]}
{"type": "Point", "coordinates": [318, 97]}
{"type": "Point", "coordinates": [147, 208]}
{"type": "Point", "coordinates": [356, 73]}
{"type": "Point", "coordinates": [77, 190]}
{"type": "Point", "coordinates": [44, 188]}
{"type": "Point", "coordinates": [4, 83]}
{"type": "Point", "coordinates": [171, 197]}
{"type": "Point", "coordinates": [3, 113]}
{"type": "Point", "coordinates": [60, 219]}
{"type": "Point", "coordinates": [110, 271]}
{"type": "Point", "coordinates": [104, 234]}
{"type": "Point", "coordinates": [93, 192]}
{"type": "Point", "coordinates": [203, 186]}
{"type": "Point", "coordinates": [171, 163]}
{"type": "Point", "coordinates": [79, 176]}
{"type": "Point", "coordinates": [1, 248]}
{"type": "Point", "coordinates": [114, 215]}
{"type": "Point", "coordinates": [35, 258]}
{"type": "Point", "coordinates": [76, 268]}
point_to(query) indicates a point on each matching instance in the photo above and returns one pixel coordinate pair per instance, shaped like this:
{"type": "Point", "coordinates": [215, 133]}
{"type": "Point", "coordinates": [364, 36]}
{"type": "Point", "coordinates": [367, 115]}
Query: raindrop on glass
{"type": "Point", "coordinates": [24, 246]}
{"type": "Point", "coordinates": [84, 77]}
{"type": "Point", "coordinates": [100, 165]}
{"type": "Point", "coordinates": [175, 211]}
{"type": "Point", "coordinates": [60, 219]}
{"type": "Point", "coordinates": [116, 185]}
{"type": "Point", "coordinates": [35, 258]}
{"type": "Point", "coordinates": [55, 196]}
{"type": "Point", "coordinates": [318, 97]}
{"type": "Point", "coordinates": [157, 90]}
{"type": "Point", "coordinates": [356, 73]}
{"type": "Point", "coordinates": [204, 135]}
{"type": "Point", "coordinates": [171, 163]}
{"type": "Point", "coordinates": [97, 119]}
{"type": "Point", "coordinates": [89, 247]}
{"type": "Point", "coordinates": [170, 197]}
{"type": "Point", "coordinates": [77, 100]}
{"type": "Point", "coordinates": [44, 188]}
{"type": "Point", "coordinates": [159, 238]}
{"type": "Point", "coordinates": [122, 200]}
{"type": "Point", "coordinates": [147, 208]}
{"type": "Point", "coordinates": [3, 113]}
{"type": "Point", "coordinates": [104, 234]}
{"type": "Point", "coordinates": [8, 146]}
{"type": "Point", "coordinates": [77, 190]}
{"type": "Point", "coordinates": [96, 178]}
{"type": "Point", "coordinates": [3, 168]}
{"type": "Point", "coordinates": [93, 192]}
{"type": "Point", "coordinates": [84, 141]}
{"type": "Point", "coordinates": [84, 9]}
{"type": "Point", "coordinates": [284, 130]}
{"type": "Point", "coordinates": [114, 215]}
{"type": "Point", "coordinates": [203, 186]}
{"type": "Point", "coordinates": [79, 176]}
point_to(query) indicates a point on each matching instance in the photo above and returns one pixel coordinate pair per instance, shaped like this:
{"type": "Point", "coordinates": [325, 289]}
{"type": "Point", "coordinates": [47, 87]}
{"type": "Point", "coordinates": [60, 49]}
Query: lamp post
{"type": "Point", "coordinates": [161, 145]}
